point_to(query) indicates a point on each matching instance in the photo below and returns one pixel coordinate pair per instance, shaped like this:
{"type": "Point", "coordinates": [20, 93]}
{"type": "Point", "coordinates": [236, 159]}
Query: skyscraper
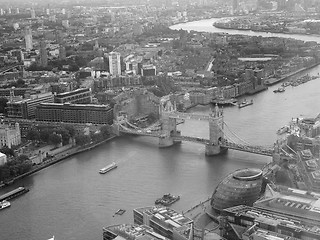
{"type": "Point", "coordinates": [43, 54]}
{"type": "Point", "coordinates": [33, 13]}
{"type": "Point", "coordinates": [114, 64]}
{"type": "Point", "coordinates": [235, 5]}
{"type": "Point", "coordinates": [28, 39]}
{"type": "Point", "coordinates": [62, 51]}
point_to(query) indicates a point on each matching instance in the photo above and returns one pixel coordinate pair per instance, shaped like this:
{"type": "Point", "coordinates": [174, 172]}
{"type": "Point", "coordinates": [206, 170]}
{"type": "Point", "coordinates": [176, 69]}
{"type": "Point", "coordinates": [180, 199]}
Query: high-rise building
{"type": "Point", "coordinates": [1, 12]}
{"type": "Point", "coordinates": [17, 11]}
{"type": "Point", "coordinates": [43, 54]}
{"type": "Point", "coordinates": [114, 64]}
{"type": "Point", "coordinates": [33, 13]}
{"type": "Point", "coordinates": [235, 5]}
{"type": "Point", "coordinates": [28, 39]}
{"type": "Point", "coordinates": [62, 52]}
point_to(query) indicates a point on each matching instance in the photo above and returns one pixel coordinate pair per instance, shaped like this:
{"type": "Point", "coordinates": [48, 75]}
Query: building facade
{"type": "Point", "coordinates": [26, 108]}
{"type": "Point", "coordinates": [10, 135]}
{"type": "Point", "coordinates": [164, 221]}
{"type": "Point", "coordinates": [28, 39]}
{"type": "Point", "coordinates": [75, 113]}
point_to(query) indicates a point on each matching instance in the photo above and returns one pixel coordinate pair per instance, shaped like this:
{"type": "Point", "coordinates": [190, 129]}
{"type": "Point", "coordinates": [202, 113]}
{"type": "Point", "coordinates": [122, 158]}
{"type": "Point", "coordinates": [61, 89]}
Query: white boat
{"type": "Point", "coordinates": [108, 168]}
{"type": "Point", "coordinates": [4, 204]}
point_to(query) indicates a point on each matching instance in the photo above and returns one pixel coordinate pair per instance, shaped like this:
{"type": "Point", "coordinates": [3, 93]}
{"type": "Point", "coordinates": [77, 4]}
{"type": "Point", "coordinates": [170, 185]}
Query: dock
{"type": "Point", "coordinates": [14, 193]}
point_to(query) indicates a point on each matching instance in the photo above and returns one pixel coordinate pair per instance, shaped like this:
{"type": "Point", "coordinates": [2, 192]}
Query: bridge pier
{"type": "Point", "coordinates": [165, 141]}
{"type": "Point", "coordinates": [212, 150]}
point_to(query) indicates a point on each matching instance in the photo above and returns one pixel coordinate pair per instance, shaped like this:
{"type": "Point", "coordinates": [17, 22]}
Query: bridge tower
{"type": "Point", "coordinates": [216, 134]}
{"type": "Point", "coordinates": [168, 124]}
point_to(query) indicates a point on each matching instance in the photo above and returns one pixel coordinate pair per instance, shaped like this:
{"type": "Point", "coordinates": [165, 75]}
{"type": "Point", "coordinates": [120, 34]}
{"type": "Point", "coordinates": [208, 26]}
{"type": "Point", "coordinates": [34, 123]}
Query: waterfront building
{"type": "Point", "coordinates": [114, 64]}
{"type": "Point", "coordinates": [81, 95]}
{"type": "Point", "coordinates": [164, 221]}
{"type": "Point", "coordinates": [9, 135]}
{"type": "Point", "coordinates": [288, 213]}
{"type": "Point", "coordinates": [75, 113]}
{"type": "Point", "coordinates": [26, 108]}
{"type": "Point", "coordinates": [3, 159]}
{"type": "Point", "coordinates": [242, 187]}
{"type": "Point", "coordinates": [131, 232]}
{"type": "Point", "coordinates": [28, 39]}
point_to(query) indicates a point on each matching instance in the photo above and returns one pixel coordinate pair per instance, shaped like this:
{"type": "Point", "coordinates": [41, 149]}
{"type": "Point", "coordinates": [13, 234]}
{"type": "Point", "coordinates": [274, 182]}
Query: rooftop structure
{"type": "Point", "coordinates": [81, 95]}
{"type": "Point", "coordinates": [131, 232]}
{"type": "Point", "coordinates": [164, 221]}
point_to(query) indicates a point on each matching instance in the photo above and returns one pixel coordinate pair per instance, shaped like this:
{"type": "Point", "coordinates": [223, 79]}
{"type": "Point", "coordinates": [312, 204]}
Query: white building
{"type": "Point", "coordinates": [114, 64]}
{"type": "Point", "coordinates": [10, 135]}
{"type": "Point", "coordinates": [3, 159]}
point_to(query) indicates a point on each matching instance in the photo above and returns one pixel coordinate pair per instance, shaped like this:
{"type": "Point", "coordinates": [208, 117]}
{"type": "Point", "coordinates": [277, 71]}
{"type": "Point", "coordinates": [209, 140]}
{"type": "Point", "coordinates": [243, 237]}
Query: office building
{"type": "Point", "coordinates": [62, 52]}
{"type": "Point", "coordinates": [164, 221]}
{"type": "Point", "coordinates": [114, 64]}
{"type": "Point", "coordinates": [28, 39]}
{"type": "Point", "coordinates": [148, 70]}
{"type": "Point", "coordinates": [81, 95]}
{"type": "Point", "coordinates": [130, 232]}
{"type": "Point", "coordinates": [284, 214]}
{"type": "Point", "coordinates": [43, 54]}
{"type": "Point", "coordinates": [74, 113]}
{"type": "Point", "coordinates": [26, 108]}
{"type": "Point", "coordinates": [9, 135]}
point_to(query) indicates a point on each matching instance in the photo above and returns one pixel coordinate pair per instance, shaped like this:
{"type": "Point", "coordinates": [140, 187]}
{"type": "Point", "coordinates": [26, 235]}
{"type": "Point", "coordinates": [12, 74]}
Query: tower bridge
{"type": "Point", "coordinates": [166, 131]}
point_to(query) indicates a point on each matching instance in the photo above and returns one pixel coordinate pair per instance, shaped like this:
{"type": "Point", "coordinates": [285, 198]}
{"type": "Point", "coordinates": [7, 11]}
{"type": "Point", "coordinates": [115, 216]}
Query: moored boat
{"type": "Point", "coordinates": [14, 193]}
{"type": "Point", "coordinates": [108, 168]}
{"type": "Point", "coordinates": [245, 103]}
{"type": "Point", "coordinates": [283, 130]}
{"type": "Point", "coordinates": [4, 204]}
{"type": "Point", "coordinates": [280, 89]}
{"type": "Point", "coordinates": [167, 199]}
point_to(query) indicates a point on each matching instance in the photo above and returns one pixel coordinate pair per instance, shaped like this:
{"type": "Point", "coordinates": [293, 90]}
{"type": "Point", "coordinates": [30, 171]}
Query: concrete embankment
{"type": "Point", "coordinates": [59, 157]}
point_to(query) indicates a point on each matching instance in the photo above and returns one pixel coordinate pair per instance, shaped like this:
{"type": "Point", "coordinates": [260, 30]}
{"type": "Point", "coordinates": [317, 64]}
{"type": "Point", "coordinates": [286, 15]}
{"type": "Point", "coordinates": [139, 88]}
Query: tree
{"type": "Point", "coordinates": [22, 158]}
{"type": "Point", "coordinates": [64, 134]}
{"type": "Point", "coordinates": [71, 130]}
{"type": "Point", "coordinates": [44, 134]}
{"type": "Point", "coordinates": [7, 151]}
{"type": "Point", "coordinates": [82, 139]}
{"type": "Point", "coordinates": [33, 135]}
{"type": "Point", "coordinates": [55, 139]}
{"type": "Point", "coordinates": [104, 130]}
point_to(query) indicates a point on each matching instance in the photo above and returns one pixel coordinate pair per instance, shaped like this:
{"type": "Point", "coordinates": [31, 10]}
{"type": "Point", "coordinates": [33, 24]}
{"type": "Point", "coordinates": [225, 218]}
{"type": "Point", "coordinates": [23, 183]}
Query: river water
{"type": "Point", "coordinates": [71, 200]}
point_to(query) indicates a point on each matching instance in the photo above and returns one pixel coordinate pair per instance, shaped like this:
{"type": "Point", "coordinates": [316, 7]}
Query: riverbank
{"type": "Point", "coordinates": [272, 81]}
{"type": "Point", "coordinates": [57, 158]}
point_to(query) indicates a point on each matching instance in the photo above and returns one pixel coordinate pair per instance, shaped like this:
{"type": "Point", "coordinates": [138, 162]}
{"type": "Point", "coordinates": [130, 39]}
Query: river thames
{"type": "Point", "coordinates": [71, 200]}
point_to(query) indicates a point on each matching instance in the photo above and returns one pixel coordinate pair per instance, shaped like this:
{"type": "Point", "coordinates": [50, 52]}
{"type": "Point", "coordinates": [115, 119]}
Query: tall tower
{"type": "Point", "coordinates": [43, 54]}
{"type": "Point", "coordinates": [28, 39]}
{"type": "Point", "coordinates": [235, 5]}
{"type": "Point", "coordinates": [216, 133]}
{"type": "Point", "coordinates": [114, 64]}
{"type": "Point", "coordinates": [33, 13]}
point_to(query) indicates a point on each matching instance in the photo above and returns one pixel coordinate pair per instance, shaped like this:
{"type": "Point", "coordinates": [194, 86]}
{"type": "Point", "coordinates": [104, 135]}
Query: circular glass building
{"type": "Point", "coordinates": [242, 187]}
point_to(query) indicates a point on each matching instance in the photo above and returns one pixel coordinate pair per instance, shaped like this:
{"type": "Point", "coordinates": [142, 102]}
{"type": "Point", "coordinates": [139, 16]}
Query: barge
{"type": "Point", "coordinates": [167, 199]}
{"type": "Point", "coordinates": [14, 193]}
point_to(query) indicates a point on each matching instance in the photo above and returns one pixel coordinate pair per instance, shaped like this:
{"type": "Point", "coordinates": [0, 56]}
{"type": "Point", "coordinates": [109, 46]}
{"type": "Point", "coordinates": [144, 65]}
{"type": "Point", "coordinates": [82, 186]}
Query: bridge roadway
{"type": "Point", "coordinates": [188, 116]}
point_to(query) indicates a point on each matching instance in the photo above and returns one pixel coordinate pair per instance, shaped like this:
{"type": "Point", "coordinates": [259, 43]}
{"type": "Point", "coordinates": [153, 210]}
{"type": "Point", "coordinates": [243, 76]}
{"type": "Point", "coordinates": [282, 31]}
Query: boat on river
{"type": "Point", "coordinates": [108, 168]}
{"type": "Point", "coordinates": [4, 204]}
{"type": "Point", "coordinates": [14, 193]}
{"type": "Point", "coordinates": [279, 90]}
{"type": "Point", "coordinates": [167, 199]}
{"type": "Point", "coordinates": [120, 211]}
{"type": "Point", "coordinates": [245, 103]}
